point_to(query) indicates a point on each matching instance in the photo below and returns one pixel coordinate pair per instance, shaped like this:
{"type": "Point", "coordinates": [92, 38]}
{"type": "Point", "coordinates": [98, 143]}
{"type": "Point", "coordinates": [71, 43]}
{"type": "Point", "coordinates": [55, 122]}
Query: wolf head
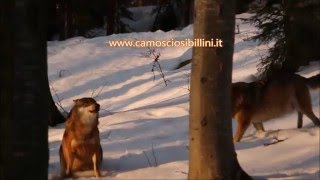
{"type": "Point", "coordinates": [87, 110]}
{"type": "Point", "coordinates": [246, 95]}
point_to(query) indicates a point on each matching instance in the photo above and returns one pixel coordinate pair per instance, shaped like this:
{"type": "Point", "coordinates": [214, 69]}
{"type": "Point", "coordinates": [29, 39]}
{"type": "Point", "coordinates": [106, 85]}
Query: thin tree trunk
{"type": "Point", "coordinates": [290, 64]}
{"type": "Point", "coordinates": [24, 124]}
{"type": "Point", "coordinates": [156, 19]}
{"type": "Point", "coordinates": [111, 16]}
{"type": "Point", "coordinates": [212, 154]}
{"type": "Point", "coordinates": [188, 12]}
{"type": "Point", "coordinates": [60, 13]}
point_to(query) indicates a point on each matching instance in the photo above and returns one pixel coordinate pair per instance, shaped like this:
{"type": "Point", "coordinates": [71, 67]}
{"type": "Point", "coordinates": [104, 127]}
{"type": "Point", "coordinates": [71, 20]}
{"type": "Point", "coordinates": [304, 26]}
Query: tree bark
{"type": "Point", "coordinates": [24, 123]}
{"type": "Point", "coordinates": [212, 154]}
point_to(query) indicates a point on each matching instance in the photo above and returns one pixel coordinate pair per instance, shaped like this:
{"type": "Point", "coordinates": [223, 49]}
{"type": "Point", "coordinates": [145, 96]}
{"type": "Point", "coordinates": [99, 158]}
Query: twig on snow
{"type": "Point", "coordinates": [94, 91]}
{"type": "Point", "coordinates": [156, 65]}
{"type": "Point", "coordinates": [154, 156]}
{"type": "Point", "coordinates": [182, 172]}
{"type": "Point", "coordinates": [62, 72]}
{"type": "Point", "coordinates": [145, 154]}
{"type": "Point", "coordinates": [275, 141]}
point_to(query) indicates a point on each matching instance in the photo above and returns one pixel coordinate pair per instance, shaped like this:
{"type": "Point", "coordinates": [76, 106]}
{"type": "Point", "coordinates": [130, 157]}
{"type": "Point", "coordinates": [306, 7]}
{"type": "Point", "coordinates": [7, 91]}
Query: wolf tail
{"type": "Point", "coordinates": [314, 81]}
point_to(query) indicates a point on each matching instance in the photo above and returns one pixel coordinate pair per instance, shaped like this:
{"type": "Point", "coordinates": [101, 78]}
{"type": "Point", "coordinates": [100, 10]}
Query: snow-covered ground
{"type": "Point", "coordinates": [144, 124]}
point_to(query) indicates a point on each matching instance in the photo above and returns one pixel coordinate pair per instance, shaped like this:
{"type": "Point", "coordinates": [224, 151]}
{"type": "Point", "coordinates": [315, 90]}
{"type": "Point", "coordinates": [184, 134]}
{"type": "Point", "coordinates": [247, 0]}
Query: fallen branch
{"type": "Point", "coordinates": [182, 172]}
{"type": "Point", "coordinates": [62, 72]}
{"type": "Point", "coordinates": [276, 140]}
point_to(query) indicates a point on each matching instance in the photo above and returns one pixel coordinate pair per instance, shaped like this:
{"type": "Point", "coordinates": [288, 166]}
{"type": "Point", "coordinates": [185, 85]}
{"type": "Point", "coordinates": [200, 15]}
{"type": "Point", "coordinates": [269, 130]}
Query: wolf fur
{"type": "Point", "coordinates": [261, 100]}
{"type": "Point", "coordinates": [80, 148]}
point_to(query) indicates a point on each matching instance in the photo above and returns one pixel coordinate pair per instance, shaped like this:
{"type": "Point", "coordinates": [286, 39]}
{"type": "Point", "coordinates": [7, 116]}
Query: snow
{"type": "Point", "coordinates": [144, 124]}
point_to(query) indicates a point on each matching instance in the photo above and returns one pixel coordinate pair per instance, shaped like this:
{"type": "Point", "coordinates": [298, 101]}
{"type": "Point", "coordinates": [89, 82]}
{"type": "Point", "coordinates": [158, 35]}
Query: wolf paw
{"type": "Point", "coordinates": [261, 134]}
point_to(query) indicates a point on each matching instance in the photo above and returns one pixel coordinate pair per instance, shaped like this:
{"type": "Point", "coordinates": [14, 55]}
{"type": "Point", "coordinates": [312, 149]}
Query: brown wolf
{"type": "Point", "coordinates": [80, 148]}
{"type": "Point", "coordinates": [262, 100]}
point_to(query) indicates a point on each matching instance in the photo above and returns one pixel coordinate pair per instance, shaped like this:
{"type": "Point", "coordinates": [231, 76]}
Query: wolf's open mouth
{"type": "Point", "coordinates": [95, 109]}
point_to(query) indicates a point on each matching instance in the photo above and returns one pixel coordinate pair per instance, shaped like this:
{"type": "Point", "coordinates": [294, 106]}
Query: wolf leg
{"type": "Point", "coordinates": [96, 165]}
{"type": "Point", "coordinates": [69, 163]}
{"type": "Point", "coordinates": [304, 104]}
{"type": "Point", "coordinates": [258, 126]}
{"type": "Point", "coordinates": [241, 129]}
{"type": "Point", "coordinates": [260, 132]}
{"type": "Point", "coordinates": [62, 163]}
{"type": "Point", "coordinates": [313, 117]}
{"type": "Point", "coordinates": [300, 120]}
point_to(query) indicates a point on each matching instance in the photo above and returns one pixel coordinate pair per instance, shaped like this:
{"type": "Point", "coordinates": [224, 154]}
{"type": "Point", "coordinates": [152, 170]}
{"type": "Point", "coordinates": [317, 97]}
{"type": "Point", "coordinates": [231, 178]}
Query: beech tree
{"type": "Point", "coordinates": [212, 154]}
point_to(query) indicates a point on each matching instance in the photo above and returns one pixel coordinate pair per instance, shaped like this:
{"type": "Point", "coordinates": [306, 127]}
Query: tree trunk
{"type": "Point", "coordinates": [64, 14]}
{"type": "Point", "coordinates": [24, 123]}
{"type": "Point", "coordinates": [212, 154]}
{"type": "Point", "coordinates": [60, 15]}
{"type": "Point", "coordinates": [292, 57]}
{"type": "Point", "coordinates": [189, 12]}
{"type": "Point", "coordinates": [111, 16]}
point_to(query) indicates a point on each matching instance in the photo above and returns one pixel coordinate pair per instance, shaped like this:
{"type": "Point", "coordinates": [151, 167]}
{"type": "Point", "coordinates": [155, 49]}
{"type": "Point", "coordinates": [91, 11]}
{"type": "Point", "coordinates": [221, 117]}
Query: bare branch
{"type": "Point", "coordinates": [157, 65]}
{"type": "Point", "coordinates": [188, 81]}
{"type": "Point", "coordinates": [154, 156]}
{"type": "Point", "coordinates": [145, 154]}
{"type": "Point", "coordinates": [93, 92]}
{"type": "Point", "coordinates": [108, 135]}
{"type": "Point", "coordinates": [58, 98]}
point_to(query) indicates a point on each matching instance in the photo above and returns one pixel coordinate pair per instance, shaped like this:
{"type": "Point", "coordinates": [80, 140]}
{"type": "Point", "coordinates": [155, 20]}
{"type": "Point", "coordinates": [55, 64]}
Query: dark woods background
{"type": "Point", "coordinates": [294, 26]}
{"type": "Point", "coordinates": [68, 18]}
